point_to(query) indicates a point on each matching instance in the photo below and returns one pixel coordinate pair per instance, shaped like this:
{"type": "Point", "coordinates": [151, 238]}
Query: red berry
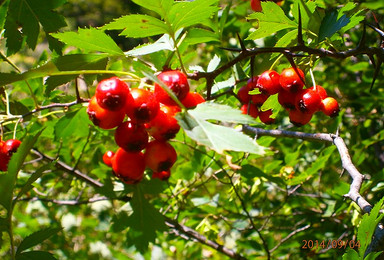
{"type": "Point", "coordinates": [131, 137]}
{"type": "Point", "coordinates": [250, 109]}
{"type": "Point", "coordinates": [112, 93]}
{"type": "Point", "coordinates": [287, 99]}
{"type": "Point", "coordinates": [103, 118]}
{"type": "Point", "coordinates": [269, 83]}
{"type": "Point", "coordinates": [265, 117]}
{"type": "Point", "coordinates": [291, 81]}
{"type": "Point", "coordinates": [160, 156]}
{"type": "Point", "coordinates": [10, 146]}
{"type": "Point", "coordinates": [4, 158]}
{"type": "Point", "coordinates": [107, 158]}
{"type": "Point", "coordinates": [308, 101]}
{"type": "Point", "coordinates": [256, 5]}
{"type": "Point", "coordinates": [192, 99]}
{"type": "Point", "coordinates": [177, 83]}
{"type": "Point", "coordinates": [164, 126]}
{"type": "Point", "coordinates": [299, 118]}
{"type": "Point", "coordinates": [330, 107]}
{"type": "Point", "coordinates": [321, 91]}
{"type": "Point", "coordinates": [144, 106]}
{"type": "Point", "coordinates": [163, 175]}
{"type": "Point", "coordinates": [128, 166]}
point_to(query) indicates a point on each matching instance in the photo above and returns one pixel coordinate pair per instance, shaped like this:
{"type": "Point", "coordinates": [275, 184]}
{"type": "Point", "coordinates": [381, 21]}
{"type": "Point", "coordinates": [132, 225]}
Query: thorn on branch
{"type": "Point", "coordinates": [300, 40]}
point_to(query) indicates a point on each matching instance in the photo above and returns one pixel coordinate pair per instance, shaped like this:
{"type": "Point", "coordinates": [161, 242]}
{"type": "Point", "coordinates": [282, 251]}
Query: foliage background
{"type": "Point", "coordinates": [248, 210]}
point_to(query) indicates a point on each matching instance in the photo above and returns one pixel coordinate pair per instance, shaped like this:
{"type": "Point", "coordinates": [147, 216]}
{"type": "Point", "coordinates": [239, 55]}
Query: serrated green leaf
{"type": "Point", "coordinates": [29, 14]}
{"type": "Point", "coordinates": [367, 227]}
{"type": "Point", "coordinates": [216, 137]}
{"type": "Point", "coordinates": [144, 222]}
{"type": "Point", "coordinates": [184, 14]}
{"type": "Point", "coordinates": [138, 26]}
{"type": "Point", "coordinates": [36, 238]}
{"type": "Point", "coordinates": [271, 20]}
{"type": "Point", "coordinates": [3, 13]}
{"type": "Point", "coordinates": [35, 255]}
{"type": "Point", "coordinates": [90, 39]}
{"type": "Point", "coordinates": [8, 180]}
{"type": "Point", "coordinates": [161, 7]}
{"type": "Point", "coordinates": [73, 123]}
{"type": "Point", "coordinates": [272, 103]}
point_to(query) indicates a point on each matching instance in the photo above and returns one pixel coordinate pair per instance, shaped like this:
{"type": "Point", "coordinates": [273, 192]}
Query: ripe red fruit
{"type": "Point", "coordinates": [299, 118]}
{"type": "Point", "coordinates": [159, 156]}
{"type": "Point", "coordinates": [131, 137]}
{"type": "Point", "coordinates": [10, 146]}
{"type": "Point", "coordinates": [112, 93]}
{"type": "Point", "coordinates": [250, 109]}
{"type": "Point", "coordinates": [163, 175]}
{"type": "Point", "coordinates": [320, 90]}
{"type": "Point", "coordinates": [192, 99]}
{"type": "Point", "coordinates": [290, 80]}
{"type": "Point", "coordinates": [143, 107]}
{"type": "Point", "coordinates": [330, 107]}
{"type": "Point", "coordinates": [265, 117]}
{"type": "Point", "coordinates": [129, 166]}
{"type": "Point", "coordinates": [177, 83]}
{"type": "Point", "coordinates": [103, 118]}
{"type": "Point", "coordinates": [256, 5]}
{"type": "Point", "coordinates": [308, 101]}
{"type": "Point", "coordinates": [286, 99]}
{"type": "Point", "coordinates": [269, 82]}
{"type": "Point", "coordinates": [164, 126]}
{"type": "Point", "coordinates": [107, 158]}
{"type": "Point", "coordinates": [4, 158]}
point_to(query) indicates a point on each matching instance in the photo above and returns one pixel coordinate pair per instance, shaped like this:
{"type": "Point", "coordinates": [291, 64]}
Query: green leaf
{"type": "Point", "coordinates": [249, 171]}
{"type": "Point", "coordinates": [184, 14]}
{"type": "Point", "coordinates": [289, 39]}
{"type": "Point", "coordinates": [216, 137]}
{"type": "Point", "coordinates": [224, 113]}
{"type": "Point", "coordinates": [29, 14]}
{"type": "Point", "coordinates": [35, 255]}
{"type": "Point", "coordinates": [138, 26]}
{"type": "Point", "coordinates": [351, 255]}
{"type": "Point", "coordinates": [163, 43]}
{"type": "Point", "coordinates": [36, 238]}
{"type": "Point", "coordinates": [161, 7]}
{"type": "Point", "coordinates": [367, 227]}
{"type": "Point", "coordinates": [3, 13]}
{"type": "Point", "coordinates": [272, 103]}
{"type": "Point", "coordinates": [73, 123]}
{"type": "Point", "coordinates": [36, 175]}
{"type": "Point", "coordinates": [199, 35]}
{"type": "Point", "coordinates": [271, 20]}
{"type": "Point", "coordinates": [90, 39]}
{"type": "Point", "coordinates": [332, 24]}
{"type": "Point", "coordinates": [144, 222]}
{"type": "Point", "coordinates": [373, 255]}
{"type": "Point", "coordinates": [8, 180]}
{"type": "Point", "coordinates": [75, 62]}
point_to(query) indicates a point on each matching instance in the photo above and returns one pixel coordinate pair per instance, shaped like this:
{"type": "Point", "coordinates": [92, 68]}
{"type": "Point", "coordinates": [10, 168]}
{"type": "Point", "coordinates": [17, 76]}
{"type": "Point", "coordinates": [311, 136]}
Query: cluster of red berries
{"type": "Point", "coordinates": [7, 148]}
{"type": "Point", "coordinates": [301, 103]}
{"type": "Point", "coordinates": [149, 126]}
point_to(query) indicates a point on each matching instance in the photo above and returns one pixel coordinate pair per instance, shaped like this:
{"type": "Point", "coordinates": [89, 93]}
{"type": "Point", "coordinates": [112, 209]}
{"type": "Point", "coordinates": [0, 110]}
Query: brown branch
{"type": "Point", "coordinates": [357, 177]}
{"type": "Point", "coordinates": [180, 229]}
{"type": "Point", "coordinates": [65, 167]}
